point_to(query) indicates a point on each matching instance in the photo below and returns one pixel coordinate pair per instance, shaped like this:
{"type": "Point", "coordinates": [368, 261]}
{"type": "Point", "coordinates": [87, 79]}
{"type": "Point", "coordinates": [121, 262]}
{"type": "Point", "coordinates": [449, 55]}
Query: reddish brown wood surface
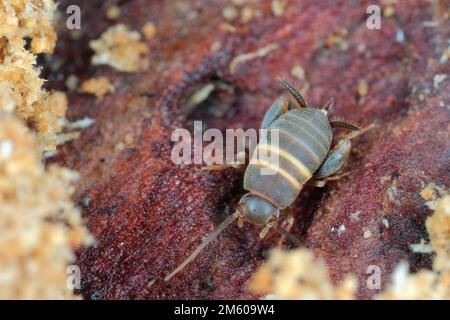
{"type": "Point", "coordinates": [148, 214]}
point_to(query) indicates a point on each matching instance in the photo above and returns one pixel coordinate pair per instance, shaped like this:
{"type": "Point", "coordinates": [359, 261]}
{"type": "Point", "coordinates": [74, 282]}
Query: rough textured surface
{"type": "Point", "coordinates": [25, 31]}
{"type": "Point", "coordinates": [147, 214]}
{"type": "Point", "coordinates": [39, 224]}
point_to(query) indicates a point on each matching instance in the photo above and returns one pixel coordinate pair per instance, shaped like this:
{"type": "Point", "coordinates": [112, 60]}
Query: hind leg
{"type": "Point", "coordinates": [280, 106]}
{"type": "Point", "coordinates": [332, 164]}
{"type": "Point", "coordinates": [336, 158]}
{"type": "Point", "coordinates": [240, 167]}
{"type": "Point", "coordinates": [221, 167]}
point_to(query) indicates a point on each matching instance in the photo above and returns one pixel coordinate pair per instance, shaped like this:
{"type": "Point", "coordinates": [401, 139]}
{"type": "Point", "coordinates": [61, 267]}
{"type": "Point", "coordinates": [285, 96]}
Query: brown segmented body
{"type": "Point", "coordinates": [304, 140]}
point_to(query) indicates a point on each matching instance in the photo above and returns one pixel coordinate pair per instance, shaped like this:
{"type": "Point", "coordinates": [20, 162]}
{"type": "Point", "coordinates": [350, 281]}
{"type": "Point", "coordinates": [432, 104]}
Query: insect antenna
{"type": "Point", "coordinates": [205, 242]}
{"type": "Point", "coordinates": [298, 97]}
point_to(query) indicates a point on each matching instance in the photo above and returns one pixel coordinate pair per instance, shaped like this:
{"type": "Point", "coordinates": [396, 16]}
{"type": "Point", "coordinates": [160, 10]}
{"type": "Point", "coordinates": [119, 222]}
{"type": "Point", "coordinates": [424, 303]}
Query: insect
{"type": "Point", "coordinates": [303, 149]}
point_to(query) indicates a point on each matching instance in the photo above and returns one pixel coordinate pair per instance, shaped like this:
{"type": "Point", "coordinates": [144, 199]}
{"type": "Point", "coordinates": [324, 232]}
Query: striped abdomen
{"type": "Point", "coordinates": [304, 140]}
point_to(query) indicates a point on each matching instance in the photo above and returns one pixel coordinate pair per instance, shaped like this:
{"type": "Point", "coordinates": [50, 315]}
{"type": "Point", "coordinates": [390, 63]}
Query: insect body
{"type": "Point", "coordinates": [302, 148]}
{"type": "Point", "coordinates": [304, 139]}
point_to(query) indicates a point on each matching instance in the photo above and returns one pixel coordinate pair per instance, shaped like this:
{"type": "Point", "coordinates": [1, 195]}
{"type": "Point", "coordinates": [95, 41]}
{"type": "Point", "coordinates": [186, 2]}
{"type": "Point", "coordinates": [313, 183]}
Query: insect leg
{"type": "Point", "coordinates": [221, 167]}
{"type": "Point", "coordinates": [320, 183]}
{"type": "Point", "coordinates": [280, 106]}
{"type": "Point", "coordinates": [285, 233]}
{"type": "Point", "coordinates": [265, 230]}
{"type": "Point", "coordinates": [334, 160]}
{"type": "Point", "coordinates": [290, 222]}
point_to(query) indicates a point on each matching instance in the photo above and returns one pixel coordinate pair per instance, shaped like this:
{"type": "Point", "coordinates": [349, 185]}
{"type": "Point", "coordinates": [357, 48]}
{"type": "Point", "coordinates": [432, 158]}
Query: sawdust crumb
{"type": "Point", "coordinates": [363, 88]}
{"type": "Point", "coordinates": [230, 13]}
{"type": "Point", "coordinates": [367, 234]}
{"type": "Point", "coordinates": [57, 103]}
{"type": "Point", "coordinates": [438, 79]}
{"type": "Point", "coordinates": [149, 30]}
{"type": "Point", "coordinates": [215, 47]}
{"type": "Point", "coordinates": [66, 137]}
{"type": "Point", "coordinates": [238, 3]}
{"type": "Point", "coordinates": [384, 179]}
{"type": "Point", "coordinates": [199, 96]}
{"type": "Point", "coordinates": [129, 138]}
{"type": "Point", "coordinates": [298, 72]}
{"type": "Point", "coordinates": [423, 285]}
{"type": "Point", "coordinates": [427, 284]}
{"type": "Point", "coordinates": [445, 55]}
{"type": "Point", "coordinates": [247, 14]}
{"type": "Point", "coordinates": [121, 49]}
{"type": "Point", "coordinates": [80, 124]}
{"type": "Point", "coordinates": [43, 225]}
{"type": "Point", "coordinates": [421, 247]}
{"type": "Point", "coordinates": [338, 39]}
{"type": "Point", "coordinates": [389, 11]}
{"type": "Point", "coordinates": [72, 82]}
{"type": "Point", "coordinates": [361, 48]}
{"type": "Point", "coordinates": [428, 193]}
{"type": "Point", "coordinates": [113, 12]}
{"type": "Point", "coordinates": [228, 27]}
{"type": "Point", "coordinates": [431, 192]}
{"type": "Point", "coordinates": [119, 147]}
{"type": "Point", "coordinates": [99, 86]}
{"type": "Point", "coordinates": [278, 7]}
{"type": "Point", "coordinates": [251, 55]}
{"type": "Point", "coordinates": [438, 227]}
{"type": "Point", "coordinates": [20, 83]}
{"type": "Point", "coordinates": [297, 274]}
